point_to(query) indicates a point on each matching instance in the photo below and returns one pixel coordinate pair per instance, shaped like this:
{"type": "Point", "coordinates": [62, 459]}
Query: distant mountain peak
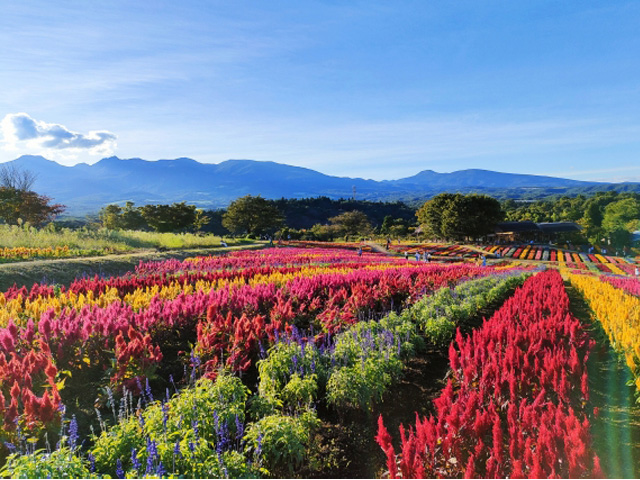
{"type": "Point", "coordinates": [33, 159]}
{"type": "Point", "coordinates": [87, 188]}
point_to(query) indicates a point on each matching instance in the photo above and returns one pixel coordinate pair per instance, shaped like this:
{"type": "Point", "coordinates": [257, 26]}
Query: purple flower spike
{"type": "Point", "coordinates": [119, 470]}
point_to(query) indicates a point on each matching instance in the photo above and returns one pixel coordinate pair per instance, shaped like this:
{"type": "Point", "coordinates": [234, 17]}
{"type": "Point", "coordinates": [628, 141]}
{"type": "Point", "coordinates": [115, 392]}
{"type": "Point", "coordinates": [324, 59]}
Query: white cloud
{"type": "Point", "coordinates": [20, 132]}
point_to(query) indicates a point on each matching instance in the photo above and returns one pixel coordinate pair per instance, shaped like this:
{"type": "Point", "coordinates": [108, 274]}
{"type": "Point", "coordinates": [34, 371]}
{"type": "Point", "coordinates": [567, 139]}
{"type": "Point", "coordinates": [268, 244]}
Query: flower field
{"type": "Point", "coordinates": [228, 307]}
{"type": "Point", "coordinates": [437, 249]}
{"type": "Point", "coordinates": [228, 366]}
{"type": "Point", "coordinates": [604, 263]}
{"type": "Point", "coordinates": [514, 406]}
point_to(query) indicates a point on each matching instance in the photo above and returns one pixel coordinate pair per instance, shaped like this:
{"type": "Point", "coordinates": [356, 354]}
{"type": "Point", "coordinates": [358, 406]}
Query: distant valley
{"type": "Point", "coordinates": [86, 188]}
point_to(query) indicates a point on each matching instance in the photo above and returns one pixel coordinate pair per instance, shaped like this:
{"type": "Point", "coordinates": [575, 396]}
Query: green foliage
{"type": "Point", "coordinates": [300, 391]}
{"type": "Point", "coordinates": [363, 384]}
{"type": "Point", "coordinates": [449, 308]}
{"type": "Point", "coordinates": [603, 215]}
{"type": "Point", "coordinates": [195, 417]}
{"type": "Point", "coordinates": [352, 223]}
{"type": "Point", "coordinates": [169, 218]}
{"type": "Point", "coordinates": [325, 233]}
{"type": "Point", "coordinates": [62, 463]}
{"type": "Point", "coordinates": [622, 214]}
{"type": "Point", "coordinates": [252, 215]}
{"type": "Point", "coordinates": [283, 441]}
{"type": "Point", "coordinates": [290, 375]}
{"type": "Point", "coordinates": [87, 241]}
{"type": "Point", "coordinates": [368, 359]}
{"type": "Point", "coordinates": [304, 213]}
{"type": "Point", "coordinates": [456, 216]}
{"type": "Point", "coordinates": [161, 218]}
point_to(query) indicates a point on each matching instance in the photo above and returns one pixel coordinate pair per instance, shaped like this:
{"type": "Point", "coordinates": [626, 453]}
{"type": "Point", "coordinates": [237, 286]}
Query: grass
{"type": "Point", "coordinates": [64, 271]}
{"type": "Point", "coordinates": [100, 240]}
{"type": "Point", "coordinates": [98, 251]}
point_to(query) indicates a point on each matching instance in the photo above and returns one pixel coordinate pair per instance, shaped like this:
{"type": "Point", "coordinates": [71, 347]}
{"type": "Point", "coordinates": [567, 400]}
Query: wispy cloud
{"type": "Point", "coordinates": [22, 133]}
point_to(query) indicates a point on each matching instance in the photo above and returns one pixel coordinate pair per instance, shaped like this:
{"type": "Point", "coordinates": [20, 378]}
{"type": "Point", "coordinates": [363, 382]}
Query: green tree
{"type": "Point", "coordinates": [169, 218]}
{"type": "Point", "coordinates": [131, 218]}
{"type": "Point", "coordinates": [200, 221]}
{"type": "Point", "coordinates": [325, 233]}
{"type": "Point", "coordinates": [252, 215]}
{"type": "Point", "coordinates": [352, 223]}
{"type": "Point", "coordinates": [624, 214]}
{"type": "Point", "coordinates": [455, 215]}
{"type": "Point", "coordinates": [387, 223]}
{"type": "Point", "coordinates": [111, 217]}
{"type": "Point", "coordinates": [430, 215]}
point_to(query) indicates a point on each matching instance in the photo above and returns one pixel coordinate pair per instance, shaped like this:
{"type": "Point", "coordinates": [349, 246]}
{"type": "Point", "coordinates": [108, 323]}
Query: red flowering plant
{"type": "Point", "coordinates": [513, 406]}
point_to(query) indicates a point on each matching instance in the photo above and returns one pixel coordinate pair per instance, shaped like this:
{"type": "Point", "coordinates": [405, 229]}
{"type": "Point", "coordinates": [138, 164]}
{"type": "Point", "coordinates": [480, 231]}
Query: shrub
{"type": "Point", "coordinates": [282, 441]}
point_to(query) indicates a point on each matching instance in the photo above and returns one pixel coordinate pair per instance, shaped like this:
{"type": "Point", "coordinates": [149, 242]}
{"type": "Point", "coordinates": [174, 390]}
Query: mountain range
{"type": "Point", "coordinates": [86, 188]}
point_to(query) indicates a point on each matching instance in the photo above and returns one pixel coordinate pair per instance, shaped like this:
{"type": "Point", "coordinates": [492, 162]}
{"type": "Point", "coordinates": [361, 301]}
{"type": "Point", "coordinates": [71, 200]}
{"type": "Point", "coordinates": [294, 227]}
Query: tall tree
{"type": "Point", "coordinates": [622, 214]}
{"type": "Point", "coordinates": [252, 215]}
{"type": "Point", "coordinates": [110, 217]}
{"type": "Point", "coordinates": [352, 223]}
{"type": "Point", "coordinates": [455, 215]}
{"type": "Point", "coordinates": [431, 214]}
{"type": "Point", "coordinates": [169, 218]}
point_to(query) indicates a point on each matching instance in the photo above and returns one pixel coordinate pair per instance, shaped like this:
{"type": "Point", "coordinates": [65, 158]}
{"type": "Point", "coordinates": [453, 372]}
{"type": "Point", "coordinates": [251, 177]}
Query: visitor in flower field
{"type": "Point", "coordinates": [406, 255]}
{"type": "Point", "coordinates": [636, 272]}
{"type": "Point", "coordinates": [417, 256]}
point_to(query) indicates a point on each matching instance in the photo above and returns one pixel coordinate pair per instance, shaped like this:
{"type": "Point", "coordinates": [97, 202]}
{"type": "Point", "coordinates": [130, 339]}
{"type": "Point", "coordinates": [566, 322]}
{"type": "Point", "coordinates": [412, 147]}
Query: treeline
{"type": "Point", "coordinates": [606, 217]}
{"type": "Point", "coordinates": [178, 217]}
{"type": "Point", "coordinates": [317, 218]}
{"type": "Point", "coordinates": [306, 212]}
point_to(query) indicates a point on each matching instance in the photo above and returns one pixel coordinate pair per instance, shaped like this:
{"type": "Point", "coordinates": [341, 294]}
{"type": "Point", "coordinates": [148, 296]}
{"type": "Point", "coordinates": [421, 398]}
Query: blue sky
{"type": "Point", "coordinates": [374, 89]}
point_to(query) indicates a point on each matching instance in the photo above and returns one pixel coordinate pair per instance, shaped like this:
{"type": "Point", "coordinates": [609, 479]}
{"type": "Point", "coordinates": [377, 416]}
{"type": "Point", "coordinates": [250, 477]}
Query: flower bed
{"type": "Point", "coordinates": [618, 310]}
{"type": "Point", "coordinates": [120, 331]}
{"type": "Point", "coordinates": [514, 404]}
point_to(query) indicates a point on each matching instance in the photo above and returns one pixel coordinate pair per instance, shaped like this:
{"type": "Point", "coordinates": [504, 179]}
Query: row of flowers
{"type": "Point", "coordinates": [436, 249]}
{"type": "Point", "coordinates": [616, 305]}
{"type": "Point", "coordinates": [514, 404]}
{"type": "Point", "coordinates": [551, 254]}
{"type": "Point", "coordinates": [27, 253]}
{"type": "Point", "coordinates": [44, 351]}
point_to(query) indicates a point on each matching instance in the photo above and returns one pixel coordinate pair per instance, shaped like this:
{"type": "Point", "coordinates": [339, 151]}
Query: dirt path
{"type": "Point", "coordinates": [376, 247]}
